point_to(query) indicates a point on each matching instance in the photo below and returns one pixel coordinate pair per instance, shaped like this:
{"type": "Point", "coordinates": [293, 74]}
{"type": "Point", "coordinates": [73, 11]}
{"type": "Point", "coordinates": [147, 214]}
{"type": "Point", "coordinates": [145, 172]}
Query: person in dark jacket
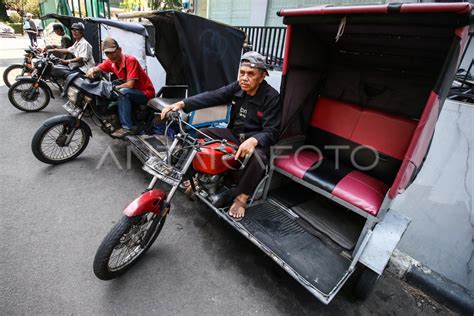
{"type": "Point", "coordinates": [254, 122]}
{"type": "Point", "coordinates": [30, 28]}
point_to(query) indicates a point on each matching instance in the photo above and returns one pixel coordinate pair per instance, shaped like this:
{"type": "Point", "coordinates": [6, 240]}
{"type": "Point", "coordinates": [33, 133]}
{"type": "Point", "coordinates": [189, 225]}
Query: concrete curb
{"type": "Point", "coordinates": [442, 289]}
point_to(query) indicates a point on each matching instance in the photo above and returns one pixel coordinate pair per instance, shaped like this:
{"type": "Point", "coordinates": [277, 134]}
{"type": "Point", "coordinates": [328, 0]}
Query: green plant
{"type": "Point", "coordinates": [15, 17]}
{"type": "Point", "coordinates": [23, 6]}
{"type": "Point", "coordinates": [165, 4]}
{"type": "Point", "coordinates": [132, 5]}
{"type": "Point", "coordinates": [17, 27]}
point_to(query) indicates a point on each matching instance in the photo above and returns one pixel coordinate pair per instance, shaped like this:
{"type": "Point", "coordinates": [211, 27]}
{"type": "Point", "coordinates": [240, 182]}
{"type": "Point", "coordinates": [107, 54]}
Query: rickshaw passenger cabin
{"type": "Point", "coordinates": [365, 91]}
{"type": "Point", "coordinates": [362, 88]}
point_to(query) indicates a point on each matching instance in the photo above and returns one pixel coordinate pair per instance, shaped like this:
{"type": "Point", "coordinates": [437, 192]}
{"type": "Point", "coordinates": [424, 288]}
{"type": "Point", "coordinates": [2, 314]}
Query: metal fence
{"type": "Point", "coordinates": [268, 41]}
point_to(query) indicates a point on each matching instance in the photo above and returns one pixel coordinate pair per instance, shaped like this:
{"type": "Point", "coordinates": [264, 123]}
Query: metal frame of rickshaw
{"type": "Point", "coordinates": [367, 245]}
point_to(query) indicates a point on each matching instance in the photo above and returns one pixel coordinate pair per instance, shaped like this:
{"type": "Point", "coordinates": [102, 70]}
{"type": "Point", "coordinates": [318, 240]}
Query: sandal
{"type": "Point", "coordinates": [237, 204]}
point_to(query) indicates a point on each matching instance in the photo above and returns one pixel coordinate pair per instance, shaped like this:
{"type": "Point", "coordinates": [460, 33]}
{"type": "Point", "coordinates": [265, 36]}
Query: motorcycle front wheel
{"type": "Point", "coordinates": [49, 142]}
{"type": "Point", "coordinates": [125, 244]}
{"type": "Point", "coordinates": [26, 97]}
{"type": "Point", "coordinates": [11, 73]}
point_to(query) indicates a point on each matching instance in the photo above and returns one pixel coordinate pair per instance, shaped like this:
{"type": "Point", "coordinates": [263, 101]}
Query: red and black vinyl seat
{"type": "Point", "coordinates": [352, 152]}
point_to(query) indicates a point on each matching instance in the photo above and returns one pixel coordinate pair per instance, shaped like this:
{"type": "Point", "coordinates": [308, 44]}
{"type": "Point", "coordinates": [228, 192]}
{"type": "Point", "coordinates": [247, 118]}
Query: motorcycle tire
{"type": "Point", "coordinates": [12, 69]}
{"type": "Point", "coordinates": [20, 89]}
{"type": "Point", "coordinates": [126, 236]}
{"type": "Point", "coordinates": [62, 126]}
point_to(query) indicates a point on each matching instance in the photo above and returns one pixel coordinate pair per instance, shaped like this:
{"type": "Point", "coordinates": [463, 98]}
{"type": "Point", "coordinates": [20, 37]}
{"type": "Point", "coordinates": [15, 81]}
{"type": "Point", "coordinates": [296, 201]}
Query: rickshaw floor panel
{"type": "Point", "coordinates": [317, 262]}
{"type": "Point", "coordinates": [341, 225]}
{"type": "Point", "coordinates": [329, 218]}
{"type": "Point", "coordinates": [291, 195]}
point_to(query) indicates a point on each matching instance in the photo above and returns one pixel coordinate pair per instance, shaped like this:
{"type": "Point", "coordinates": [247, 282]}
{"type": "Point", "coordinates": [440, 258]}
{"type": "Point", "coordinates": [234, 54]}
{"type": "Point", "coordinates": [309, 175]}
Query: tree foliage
{"type": "Point", "coordinates": [166, 4]}
{"type": "Point", "coordinates": [132, 5]}
{"type": "Point", "coordinates": [15, 17]}
{"type": "Point", "coordinates": [137, 5]}
{"type": "Point", "coordinates": [22, 6]}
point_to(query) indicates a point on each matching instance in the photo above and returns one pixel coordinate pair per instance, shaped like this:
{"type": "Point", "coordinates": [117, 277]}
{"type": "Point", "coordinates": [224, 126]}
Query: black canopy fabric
{"type": "Point", "coordinates": [92, 27]}
{"type": "Point", "coordinates": [195, 51]}
{"type": "Point", "coordinates": [127, 26]}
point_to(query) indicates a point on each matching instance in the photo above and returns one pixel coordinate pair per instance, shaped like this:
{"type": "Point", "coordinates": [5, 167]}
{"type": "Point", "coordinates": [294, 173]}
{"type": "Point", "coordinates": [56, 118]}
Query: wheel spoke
{"type": "Point", "coordinates": [50, 148]}
{"type": "Point", "coordinates": [130, 246]}
{"type": "Point", "coordinates": [20, 93]}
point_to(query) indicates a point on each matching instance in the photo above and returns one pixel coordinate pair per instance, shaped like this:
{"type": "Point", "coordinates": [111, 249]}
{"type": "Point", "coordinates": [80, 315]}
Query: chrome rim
{"type": "Point", "coordinates": [52, 148]}
{"type": "Point", "coordinates": [28, 97]}
{"type": "Point", "coordinates": [130, 246]}
{"type": "Point", "coordinates": [12, 74]}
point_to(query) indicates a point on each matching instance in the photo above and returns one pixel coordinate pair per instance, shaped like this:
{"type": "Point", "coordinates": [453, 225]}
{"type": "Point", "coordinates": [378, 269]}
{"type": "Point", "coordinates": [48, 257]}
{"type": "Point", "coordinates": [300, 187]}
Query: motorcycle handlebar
{"type": "Point", "coordinates": [117, 91]}
{"type": "Point", "coordinates": [175, 116]}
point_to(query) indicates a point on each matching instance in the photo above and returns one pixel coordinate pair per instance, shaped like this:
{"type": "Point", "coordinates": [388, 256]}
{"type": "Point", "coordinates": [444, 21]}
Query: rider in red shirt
{"type": "Point", "coordinates": [136, 89]}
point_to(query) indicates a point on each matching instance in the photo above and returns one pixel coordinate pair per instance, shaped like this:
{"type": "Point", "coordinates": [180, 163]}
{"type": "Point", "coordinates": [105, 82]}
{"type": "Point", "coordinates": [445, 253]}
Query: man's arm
{"type": "Point", "coordinates": [60, 50]}
{"type": "Point", "coordinates": [211, 98]}
{"type": "Point", "coordinates": [82, 52]}
{"type": "Point", "coordinates": [105, 66]}
{"type": "Point", "coordinates": [204, 100]}
{"type": "Point", "coordinates": [129, 84]}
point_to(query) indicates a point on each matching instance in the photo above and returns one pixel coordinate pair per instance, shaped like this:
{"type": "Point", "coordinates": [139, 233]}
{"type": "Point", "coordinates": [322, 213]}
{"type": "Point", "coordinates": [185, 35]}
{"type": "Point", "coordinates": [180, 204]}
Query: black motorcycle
{"type": "Point", "coordinates": [64, 137]}
{"type": "Point", "coordinates": [32, 93]}
{"type": "Point", "coordinates": [26, 68]}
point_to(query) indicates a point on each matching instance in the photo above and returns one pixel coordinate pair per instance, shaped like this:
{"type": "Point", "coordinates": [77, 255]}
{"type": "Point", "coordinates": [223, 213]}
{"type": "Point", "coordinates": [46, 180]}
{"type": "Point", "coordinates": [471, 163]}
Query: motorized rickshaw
{"type": "Point", "coordinates": [361, 92]}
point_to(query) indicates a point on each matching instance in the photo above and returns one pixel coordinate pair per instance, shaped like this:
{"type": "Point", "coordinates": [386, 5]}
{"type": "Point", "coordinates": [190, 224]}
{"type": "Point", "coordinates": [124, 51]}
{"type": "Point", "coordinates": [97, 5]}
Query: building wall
{"type": "Point", "coordinates": [264, 12]}
{"type": "Point", "coordinates": [230, 11]}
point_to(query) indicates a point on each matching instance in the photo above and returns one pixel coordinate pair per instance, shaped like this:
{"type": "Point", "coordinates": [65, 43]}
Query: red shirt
{"type": "Point", "coordinates": [130, 69]}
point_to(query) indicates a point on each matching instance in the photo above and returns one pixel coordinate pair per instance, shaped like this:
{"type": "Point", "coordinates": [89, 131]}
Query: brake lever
{"type": "Point", "coordinates": [243, 164]}
{"type": "Point", "coordinates": [173, 116]}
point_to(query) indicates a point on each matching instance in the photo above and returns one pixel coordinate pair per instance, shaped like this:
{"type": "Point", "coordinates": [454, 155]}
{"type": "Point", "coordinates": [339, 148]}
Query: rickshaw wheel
{"type": "Point", "coordinates": [11, 72]}
{"type": "Point", "coordinates": [364, 284]}
{"type": "Point", "coordinates": [25, 97]}
{"type": "Point", "coordinates": [125, 244]}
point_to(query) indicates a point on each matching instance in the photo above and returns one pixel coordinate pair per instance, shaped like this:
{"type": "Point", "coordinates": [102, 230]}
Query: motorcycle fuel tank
{"type": "Point", "coordinates": [214, 159]}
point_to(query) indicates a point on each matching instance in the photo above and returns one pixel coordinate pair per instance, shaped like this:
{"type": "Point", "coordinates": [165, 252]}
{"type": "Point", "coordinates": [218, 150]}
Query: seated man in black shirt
{"type": "Point", "coordinates": [254, 123]}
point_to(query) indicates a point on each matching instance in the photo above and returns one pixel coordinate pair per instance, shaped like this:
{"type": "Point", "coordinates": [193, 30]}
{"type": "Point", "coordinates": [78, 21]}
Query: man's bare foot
{"type": "Point", "coordinates": [237, 210]}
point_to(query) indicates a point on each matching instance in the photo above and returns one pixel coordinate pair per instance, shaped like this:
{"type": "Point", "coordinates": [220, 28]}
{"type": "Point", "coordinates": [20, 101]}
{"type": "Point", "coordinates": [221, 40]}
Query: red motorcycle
{"type": "Point", "coordinates": [211, 161]}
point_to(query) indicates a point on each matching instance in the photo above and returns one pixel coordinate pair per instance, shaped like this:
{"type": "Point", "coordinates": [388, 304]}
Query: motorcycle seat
{"type": "Point", "coordinates": [159, 104]}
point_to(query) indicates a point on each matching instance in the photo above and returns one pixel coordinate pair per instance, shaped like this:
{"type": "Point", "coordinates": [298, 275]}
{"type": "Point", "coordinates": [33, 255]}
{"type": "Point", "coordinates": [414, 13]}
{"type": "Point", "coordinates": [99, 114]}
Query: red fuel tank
{"type": "Point", "coordinates": [214, 159]}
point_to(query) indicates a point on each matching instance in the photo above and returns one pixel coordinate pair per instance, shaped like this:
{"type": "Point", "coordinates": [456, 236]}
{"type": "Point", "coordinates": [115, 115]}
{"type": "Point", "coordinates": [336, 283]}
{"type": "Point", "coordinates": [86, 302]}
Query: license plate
{"type": "Point", "coordinates": [72, 109]}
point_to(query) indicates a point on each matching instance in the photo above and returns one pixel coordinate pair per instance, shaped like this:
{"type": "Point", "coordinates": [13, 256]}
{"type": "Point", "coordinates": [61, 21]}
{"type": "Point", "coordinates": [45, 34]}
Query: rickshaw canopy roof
{"type": "Point", "coordinates": [127, 26]}
{"type": "Point", "coordinates": [91, 32]}
{"type": "Point", "coordinates": [459, 8]}
{"type": "Point", "coordinates": [194, 51]}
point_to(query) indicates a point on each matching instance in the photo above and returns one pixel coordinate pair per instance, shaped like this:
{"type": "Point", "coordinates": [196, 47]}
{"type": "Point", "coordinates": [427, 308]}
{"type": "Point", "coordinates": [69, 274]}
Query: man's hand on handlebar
{"type": "Point", "coordinates": [91, 72]}
{"type": "Point", "coordinates": [246, 148]}
{"type": "Point", "coordinates": [172, 108]}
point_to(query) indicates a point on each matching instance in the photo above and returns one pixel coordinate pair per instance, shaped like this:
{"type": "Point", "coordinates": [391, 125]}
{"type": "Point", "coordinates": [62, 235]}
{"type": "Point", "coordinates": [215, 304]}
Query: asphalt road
{"type": "Point", "coordinates": [52, 219]}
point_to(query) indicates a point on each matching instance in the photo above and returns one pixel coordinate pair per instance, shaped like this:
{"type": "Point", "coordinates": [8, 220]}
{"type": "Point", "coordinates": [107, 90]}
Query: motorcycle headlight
{"type": "Point", "coordinates": [72, 94]}
{"type": "Point", "coordinates": [39, 64]}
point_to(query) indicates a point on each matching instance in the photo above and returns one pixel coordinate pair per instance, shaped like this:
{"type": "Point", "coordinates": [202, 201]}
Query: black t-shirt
{"type": "Point", "coordinates": [238, 121]}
